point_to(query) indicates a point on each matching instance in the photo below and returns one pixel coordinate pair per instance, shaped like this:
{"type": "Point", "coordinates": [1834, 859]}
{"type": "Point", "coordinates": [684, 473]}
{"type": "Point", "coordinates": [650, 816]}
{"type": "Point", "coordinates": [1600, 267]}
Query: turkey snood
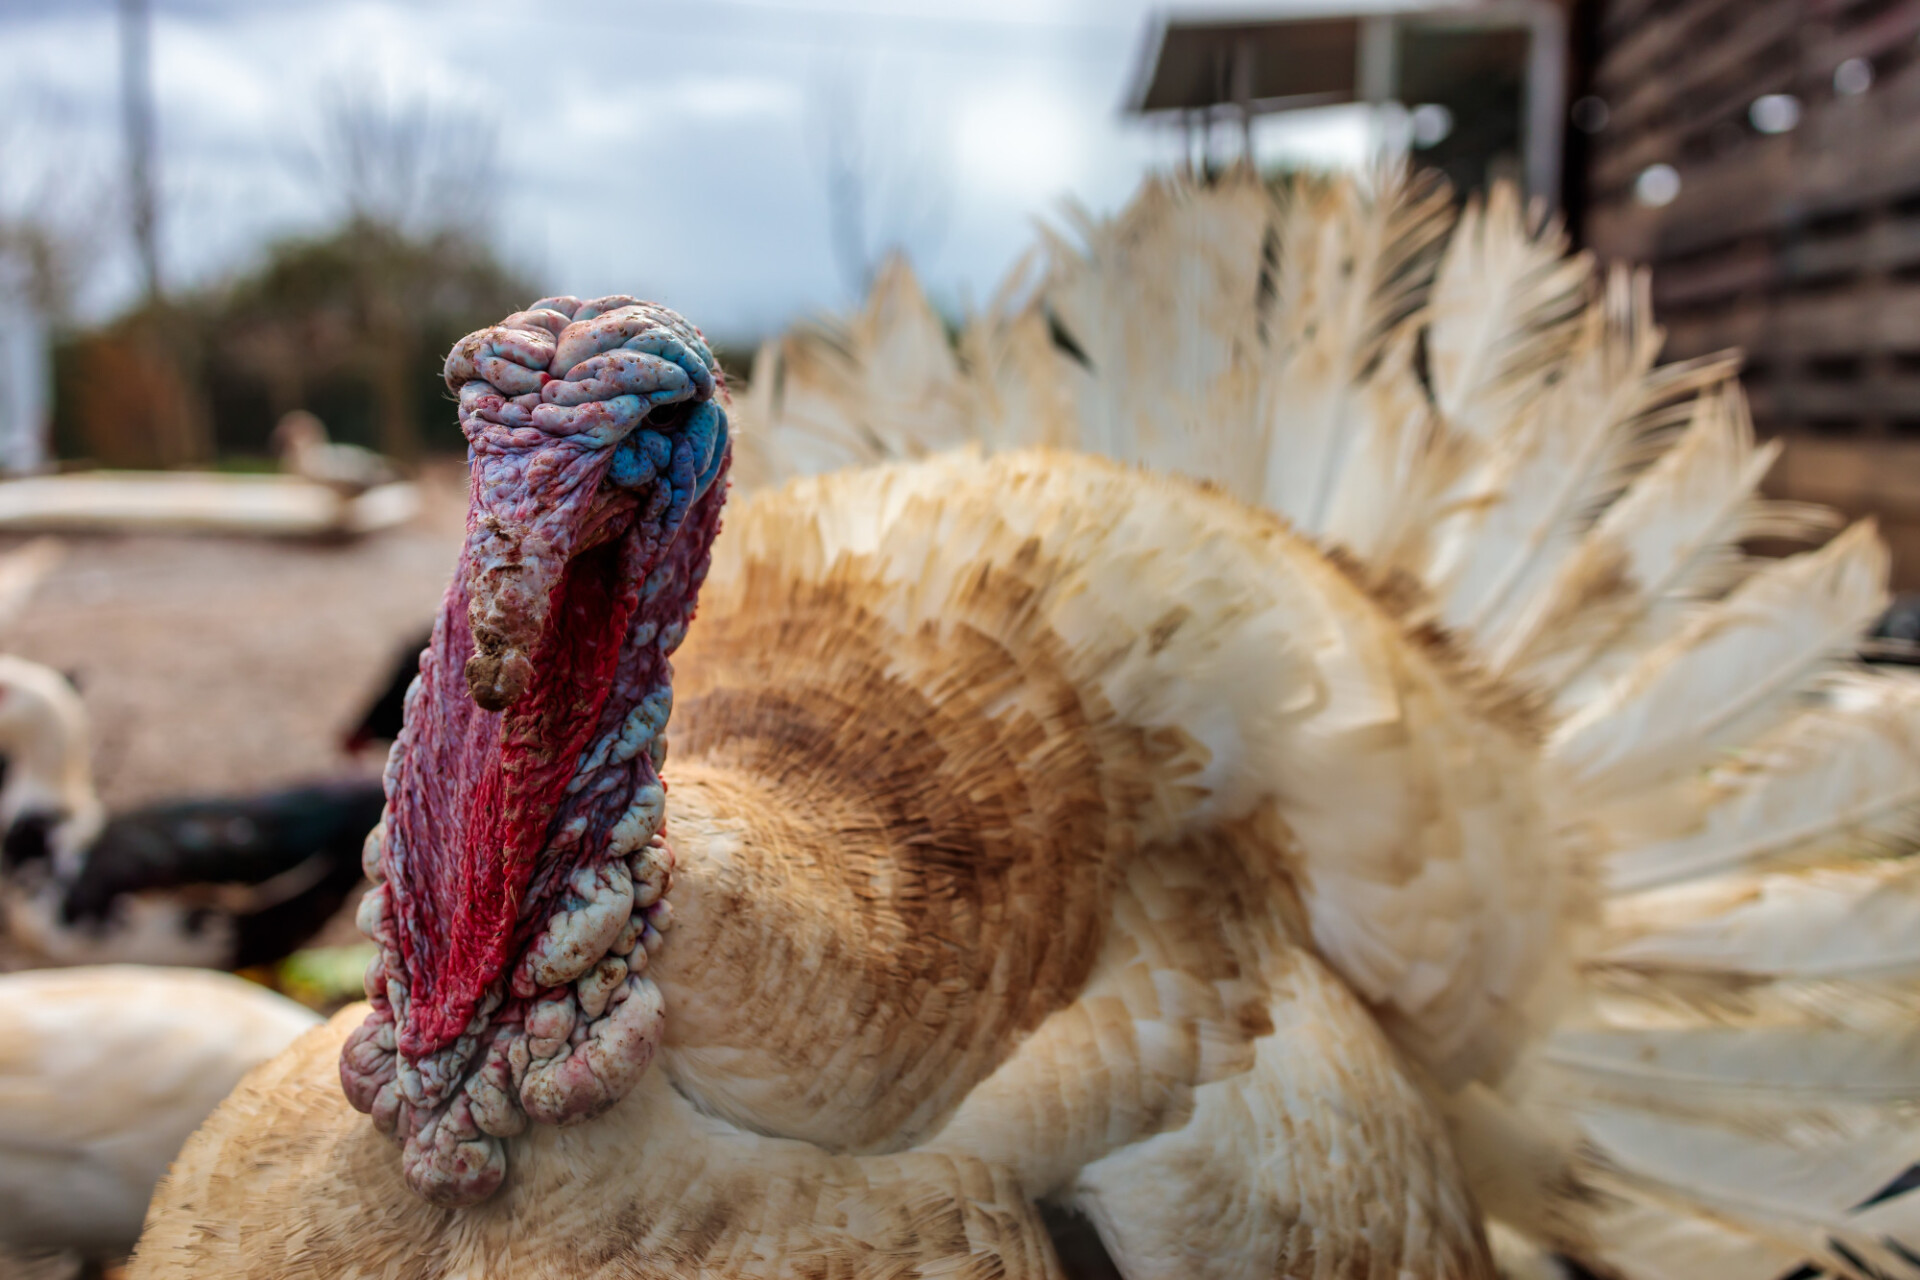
{"type": "Point", "coordinates": [519, 869]}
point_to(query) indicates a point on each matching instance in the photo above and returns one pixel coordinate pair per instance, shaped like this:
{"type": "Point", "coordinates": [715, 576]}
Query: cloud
{"type": "Point", "coordinates": [732, 97]}
{"type": "Point", "coordinates": [1020, 143]}
{"type": "Point", "coordinates": [650, 146]}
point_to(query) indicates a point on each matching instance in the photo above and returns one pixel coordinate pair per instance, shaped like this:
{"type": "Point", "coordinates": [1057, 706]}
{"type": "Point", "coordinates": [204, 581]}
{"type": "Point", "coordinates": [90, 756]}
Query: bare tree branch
{"type": "Point", "coordinates": [413, 164]}
{"type": "Point", "coordinates": [884, 181]}
{"type": "Point", "coordinates": [55, 207]}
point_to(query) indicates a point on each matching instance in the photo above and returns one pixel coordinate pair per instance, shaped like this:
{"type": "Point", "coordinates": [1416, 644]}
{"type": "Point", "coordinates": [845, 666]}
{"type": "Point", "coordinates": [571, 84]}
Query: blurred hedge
{"type": "Point", "coordinates": [351, 325]}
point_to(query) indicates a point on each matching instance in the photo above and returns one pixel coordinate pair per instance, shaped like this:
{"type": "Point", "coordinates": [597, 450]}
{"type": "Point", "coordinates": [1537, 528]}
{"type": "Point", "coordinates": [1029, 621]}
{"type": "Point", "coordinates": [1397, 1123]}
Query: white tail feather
{"type": "Point", "coordinates": [1161, 333]}
{"type": "Point", "coordinates": [1399, 445]}
{"type": "Point", "coordinates": [1788, 1191]}
{"type": "Point", "coordinates": [1733, 1083]}
{"type": "Point", "coordinates": [1502, 317]}
{"type": "Point", "coordinates": [1353, 261]}
{"type": "Point", "coordinates": [1730, 671]}
{"type": "Point", "coordinates": [1642, 1236]}
{"type": "Point", "coordinates": [1557, 464]}
{"type": "Point", "coordinates": [1830, 775]}
{"type": "Point", "coordinates": [883, 384]}
{"type": "Point", "coordinates": [1671, 540]}
{"type": "Point", "coordinates": [1829, 922]}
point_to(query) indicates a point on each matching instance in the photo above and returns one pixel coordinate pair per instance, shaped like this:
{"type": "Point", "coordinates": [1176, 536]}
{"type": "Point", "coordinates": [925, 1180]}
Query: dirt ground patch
{"type": "Point", "coordinates": [225, 665]}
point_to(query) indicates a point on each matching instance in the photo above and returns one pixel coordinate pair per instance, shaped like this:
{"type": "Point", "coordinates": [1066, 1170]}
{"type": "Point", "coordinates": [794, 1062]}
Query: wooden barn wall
{"type": "Point", "coordinates": [1801, 248]}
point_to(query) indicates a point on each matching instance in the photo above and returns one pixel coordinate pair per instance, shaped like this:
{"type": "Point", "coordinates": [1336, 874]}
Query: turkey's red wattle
{"type": "Point", "coordinates": [494, 781]}
{"type": "Point", "coordinates": [519, 869]}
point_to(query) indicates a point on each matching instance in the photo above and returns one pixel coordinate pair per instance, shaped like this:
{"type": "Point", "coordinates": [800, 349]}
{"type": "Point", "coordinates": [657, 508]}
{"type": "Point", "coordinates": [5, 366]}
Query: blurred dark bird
{"type": "Point", "coordinates": [220, 883]}
{"type": "Point", "coordinates": [384, 714]}
{"type": "Point", "coordinates": [1895, 639]}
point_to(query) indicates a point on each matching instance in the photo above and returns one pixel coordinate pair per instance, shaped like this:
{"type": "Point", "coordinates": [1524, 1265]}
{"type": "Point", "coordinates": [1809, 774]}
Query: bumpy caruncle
{"type": "Point", "coordinates": [520, 870]}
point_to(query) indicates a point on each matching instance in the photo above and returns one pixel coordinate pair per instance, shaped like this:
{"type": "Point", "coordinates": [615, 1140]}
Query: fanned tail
{"type": "Point", "coordinates": [1730, 1090]}
{"type": "Point", "coordinates": [877, 386]}
{"type": "Point", "coordinates": [1742, 1072]}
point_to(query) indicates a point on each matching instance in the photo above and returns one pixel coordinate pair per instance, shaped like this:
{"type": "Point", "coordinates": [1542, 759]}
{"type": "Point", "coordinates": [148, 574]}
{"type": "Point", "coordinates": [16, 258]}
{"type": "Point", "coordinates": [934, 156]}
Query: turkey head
{"type": "Point", "coordinates": [519, 867]}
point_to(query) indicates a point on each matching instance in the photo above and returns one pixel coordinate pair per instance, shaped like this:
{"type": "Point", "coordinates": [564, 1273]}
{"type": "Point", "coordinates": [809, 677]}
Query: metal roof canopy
{"type": "Point", "coordinates": [1241, 66]}
{"type": "Point", "coordinates": [1257, 66]}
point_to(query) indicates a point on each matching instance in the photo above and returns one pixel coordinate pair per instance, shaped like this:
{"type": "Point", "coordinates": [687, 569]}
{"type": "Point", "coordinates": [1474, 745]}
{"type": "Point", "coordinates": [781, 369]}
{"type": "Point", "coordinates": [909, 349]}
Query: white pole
{"type": "Point", "coordinates": [25, 397]}
{"type": "Point", "coordinates": [136, 113]}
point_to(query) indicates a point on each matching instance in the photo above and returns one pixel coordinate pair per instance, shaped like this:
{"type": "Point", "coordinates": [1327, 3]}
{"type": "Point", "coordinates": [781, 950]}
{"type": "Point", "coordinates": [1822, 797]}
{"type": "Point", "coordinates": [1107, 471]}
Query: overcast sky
{"type": "Point", "coordinates": [674, 150]}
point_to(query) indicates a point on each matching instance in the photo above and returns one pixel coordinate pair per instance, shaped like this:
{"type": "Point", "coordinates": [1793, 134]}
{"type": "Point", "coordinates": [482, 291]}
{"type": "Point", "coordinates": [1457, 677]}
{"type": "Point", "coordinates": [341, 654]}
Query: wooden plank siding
{"type": "Point", "coordinates": [1801, 249]}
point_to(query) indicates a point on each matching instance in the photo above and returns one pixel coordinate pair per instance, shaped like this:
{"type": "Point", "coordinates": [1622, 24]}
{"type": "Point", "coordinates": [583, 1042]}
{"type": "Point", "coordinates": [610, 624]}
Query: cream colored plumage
{"type": "Point", "coordinates": [1572, 513]}
{"type": "Point", "coordinates": [1432, 816]}
{"type": "Point", "coordinates": [103, 1073]}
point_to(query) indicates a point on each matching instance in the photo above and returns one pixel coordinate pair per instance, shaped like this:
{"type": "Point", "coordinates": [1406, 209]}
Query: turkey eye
{"type": "Point", "coordinates": [666, 417]}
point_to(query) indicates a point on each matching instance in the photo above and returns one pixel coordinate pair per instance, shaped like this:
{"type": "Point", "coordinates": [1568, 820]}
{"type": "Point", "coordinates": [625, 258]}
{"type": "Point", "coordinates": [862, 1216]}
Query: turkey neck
{"type": "Point", "coordinates": [878, 889]}
{"type": "Point", "coordinates": [804, 1003]}
{"type": "Point", "coordinates": [44, 743]}
{"type": "Point", "coordinates": [519, 866]}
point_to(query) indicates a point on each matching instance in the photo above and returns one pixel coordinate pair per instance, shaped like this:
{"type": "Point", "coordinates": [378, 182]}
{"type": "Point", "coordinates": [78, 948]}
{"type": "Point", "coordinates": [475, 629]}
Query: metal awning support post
{"type": "Point", "coordinates": [1376, 71]}
{"type": "Point", "coordinates": [1546, 99]}
{"type": "Point", "coordinates": [1243, 94]}
{"type": "Point", "coordinates": [1545, 108]}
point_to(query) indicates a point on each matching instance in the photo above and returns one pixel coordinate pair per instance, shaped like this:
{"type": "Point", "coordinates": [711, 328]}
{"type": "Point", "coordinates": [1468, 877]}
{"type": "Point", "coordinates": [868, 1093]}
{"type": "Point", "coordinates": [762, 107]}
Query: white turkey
{"type": "Point", "coordinates": [103, 1074]}
{"type": "Point", "coordinates": [305, 450]}
{"type": "Point", "coordinates": [1428, 817]}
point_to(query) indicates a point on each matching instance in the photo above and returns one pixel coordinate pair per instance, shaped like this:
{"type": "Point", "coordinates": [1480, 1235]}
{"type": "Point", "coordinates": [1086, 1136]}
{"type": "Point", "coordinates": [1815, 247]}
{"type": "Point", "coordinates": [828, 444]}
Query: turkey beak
{"type": "Point", "coordinates": [516, 559]}
{"type": "Point", "coordinates": [507, 605]}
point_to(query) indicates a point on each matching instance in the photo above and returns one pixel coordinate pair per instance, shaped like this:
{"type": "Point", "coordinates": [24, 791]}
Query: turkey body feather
{"type": "Point", "coordinates": [879, 652]}
{"type": "Point", "coordinates": [1724, 802]}
{"type": "Point", "coordinates": [1413, 813]}
{"type": "Point", "coordinates": [104, 1072]}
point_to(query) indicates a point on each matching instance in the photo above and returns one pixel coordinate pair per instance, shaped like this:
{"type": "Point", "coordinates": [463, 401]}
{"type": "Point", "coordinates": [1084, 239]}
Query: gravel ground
{"type": "Point", "coordinates": [225, 665]}
{"type": "Point", "coordinates": [222, 666]}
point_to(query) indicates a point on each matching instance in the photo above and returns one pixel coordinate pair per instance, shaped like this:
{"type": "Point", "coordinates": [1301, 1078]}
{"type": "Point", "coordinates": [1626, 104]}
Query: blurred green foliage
{"type": "Point", "coordinates": [323, 978]}
{"type": "Point", "coordinates": [351, 325]}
